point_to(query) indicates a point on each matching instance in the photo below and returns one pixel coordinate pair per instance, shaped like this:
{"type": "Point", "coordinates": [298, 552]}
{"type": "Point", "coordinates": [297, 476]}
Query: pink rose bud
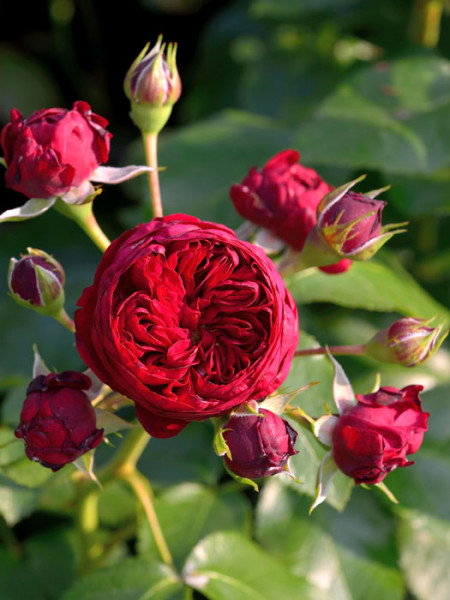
{"type": "Point", "coordinates": [407, 341]}
{"type": "Point", "coordinates": [375, 436]}
{"type": "Point", "coordinates": [54, 151]}
{"type": "Point", "coordinates": [57, 423]}
{"type": "Point", "coordinates": [283, 197]}
{"type": "Point", "coordinates": [260, 445]}
{"type": "Point", "coordinates": [152, 83]}
{"type": "Point", "coordinates": [36, 281]}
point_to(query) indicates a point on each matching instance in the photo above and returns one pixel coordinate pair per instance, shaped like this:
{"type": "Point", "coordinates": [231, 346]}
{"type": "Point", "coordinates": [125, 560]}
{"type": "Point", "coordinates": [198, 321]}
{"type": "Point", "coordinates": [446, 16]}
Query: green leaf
{"type": "Point", "coordinates": [199, 511]}
{"type": "Point", "coordinates": [16, 502]}
{"type": "Point", "coordinates": [380, 284]}
{"type": "Point", "coordinates": [228, 566]}
{"type": "Point", "coordinates": [132, 579]}
{"type": "Point", "coordinates": [394, 118]}
{"type": "Point", "coordinates": [187, 457]}
{"type": "Point", "coordinates": [424, 544]}
{"type": "Point", "coordinates": [334, 551]}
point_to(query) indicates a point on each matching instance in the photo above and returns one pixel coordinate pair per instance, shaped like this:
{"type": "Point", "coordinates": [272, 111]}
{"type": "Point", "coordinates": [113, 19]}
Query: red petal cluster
{"type": "Point", "coordinates": [58, 422]}
{"type": "Point", "coordinates": [375, 436]}
{"type": "Point", "coordinates": [54, 150]}
{"type": "Point", "coordinates": [187, 321]}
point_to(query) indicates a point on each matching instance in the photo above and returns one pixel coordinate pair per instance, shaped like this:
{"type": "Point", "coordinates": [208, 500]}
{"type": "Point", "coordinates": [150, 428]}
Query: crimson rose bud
{"type": "Point", "coordinates": [153, 85]}
{"type": "Point", "coordinates": [57, 422]}
{"type": "Point", "coordinates": [186, 320]}
{"type": "Point", "coordinates": [53, 151]}
{"type": "Point", "coordinates": [375, 436]}
{"type": "Point", "coordinates": [36, 280]}
{"type": "Point", "coordinates": [407, 341]}
{"type": "Point", "coordinates": [283, 197]}
{"type": "Point", "coordinates": [260, 445]}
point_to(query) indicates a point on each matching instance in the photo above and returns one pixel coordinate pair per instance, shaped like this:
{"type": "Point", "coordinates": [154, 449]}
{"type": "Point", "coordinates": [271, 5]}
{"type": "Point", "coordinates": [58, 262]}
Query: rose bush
{"type": "Point", "coordinates": [54, 150]}
{"type": "Point", "coordinates": [260, 445]}
{"type": "Point", "coordinates": [57, 422]}
{"type": "Point", "coordinates": [283, 197]}
{"type": "Point", "coordinates": [186, 320]}
{"type": "Point", "coordinates": [375, 436]}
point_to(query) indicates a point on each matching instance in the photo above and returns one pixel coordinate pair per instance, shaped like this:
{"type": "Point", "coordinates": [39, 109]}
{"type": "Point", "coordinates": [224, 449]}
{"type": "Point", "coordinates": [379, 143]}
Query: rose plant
{"type": "Point", "coordinates": [190, 331]}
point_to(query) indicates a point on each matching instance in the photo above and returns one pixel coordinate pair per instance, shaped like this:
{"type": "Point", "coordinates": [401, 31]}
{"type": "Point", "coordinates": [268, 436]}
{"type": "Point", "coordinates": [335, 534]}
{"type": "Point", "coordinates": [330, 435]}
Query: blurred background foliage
{"type": "Point", "coordinates": [355, 86]}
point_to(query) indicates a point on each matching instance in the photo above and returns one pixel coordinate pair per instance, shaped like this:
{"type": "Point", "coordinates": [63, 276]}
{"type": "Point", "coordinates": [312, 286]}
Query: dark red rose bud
{"type": "Point", "coordinates": [351, 222]}
{"type": "Point", "coordinates": [282, 197]}
{"type": "Point", "coordinates": [260, 445]}
{"type": "Point", "coordinates": [186, 320]}
{"type": "Point", "coordinates": [58, 422]}
{"type": "Point", "coordinates": [375, 436]}
{"type": "Point", "coordinates": [53, 151]}
{"type": "Point", "coordinates": [36, 280]}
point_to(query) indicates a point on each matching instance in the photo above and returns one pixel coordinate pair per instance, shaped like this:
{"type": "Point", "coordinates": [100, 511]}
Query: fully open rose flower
{"type": "Point", "coordinates": [376, 435]}
{"type": "Point", "coordinates": [283, 197]}
{"type": "Point", "coordinates": [260, 445]}
{"type": "Point", "coordinates": [58, 422]}
{"type": "Point", "coordinates": [54, 150]}
{"type": "Point", "coordinates": [186, 320]}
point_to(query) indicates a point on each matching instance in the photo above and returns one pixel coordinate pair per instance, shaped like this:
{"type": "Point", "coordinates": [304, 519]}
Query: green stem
{"type": "Point", "coordinates": [151, 156]}
{"type": "Point", "coordinates": [426, 22]}
{"type": "Point", "coordinates": [63, 318]}
{"type": "Point", "coordinates": [141, 487]}
{"type": "Point", "coordinates": [129, 452]}
{"type": "Point", "coordinates": [9, 539]}
{"type": "Point", "coordinates": [336, 350]}
{"type": "Point", "coordinates": [87, 527]}
{"type": "Point", "coordinates": [84, 217]}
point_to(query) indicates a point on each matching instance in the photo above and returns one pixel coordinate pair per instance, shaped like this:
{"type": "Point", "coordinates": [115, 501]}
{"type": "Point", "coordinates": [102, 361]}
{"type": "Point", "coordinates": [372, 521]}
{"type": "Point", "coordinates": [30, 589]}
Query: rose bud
{"type": "Point", "coordinates": [153, 85]}
{"type": "Point", "coordinates": [260, 445]}
{"type": "Point", "coordinates": [54, 151]}
{"type": "Point", "coordinates": [36, 281]}
{"type": "Point", "coordinates": [186, 320]}
{"type": "Point", "coordinates": [283, 197]}
{"type": "Point", "coordinates": [348, 226]}
{"type": "Point", "coordinates": [57, 423]}
{"type": "Point", "coordinates": [407, 341]}
{"type": "Point", "coordinates": [374, 437]}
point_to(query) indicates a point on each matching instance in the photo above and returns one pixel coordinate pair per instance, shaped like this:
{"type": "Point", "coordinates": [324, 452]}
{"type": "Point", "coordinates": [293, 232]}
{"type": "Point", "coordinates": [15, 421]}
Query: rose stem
{"type": "Point", "coordinates": [425, 22]}
{"type": "Point", "coordinates": [84, 217]}
{"type": "Point", "coordinates": [63, 318]}
{"type": "Point", "coordinates": [141, 487]}
{"type": "Point", "coordinates": [337, 350]}
{"type": "Point", "coordinates": [151, 156]}
{"type": "Point", "coordinates": [87, 517]}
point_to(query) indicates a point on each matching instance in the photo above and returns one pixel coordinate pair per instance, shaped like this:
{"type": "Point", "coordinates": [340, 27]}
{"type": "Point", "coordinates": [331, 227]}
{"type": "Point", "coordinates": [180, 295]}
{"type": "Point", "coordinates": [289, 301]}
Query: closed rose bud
{"type": "Point", "coordinates": [57, 422]}
{"type": "Point", "coordinates": [260, 445]}
{"type": "Point", "coordinates": [153, 85]}
{"type": "Point", "coordinates": [407, 341]}
{"type": "Point", "coordinates": [283, 197]}
{"type": "Point", "coordinates": [55, 151]}
{"type": "Point", "coordinates": [376, 435]}
{"type": "Point", "coordinates": [351, 222]}
{"type": "Point", "coordinates": [36, 281]}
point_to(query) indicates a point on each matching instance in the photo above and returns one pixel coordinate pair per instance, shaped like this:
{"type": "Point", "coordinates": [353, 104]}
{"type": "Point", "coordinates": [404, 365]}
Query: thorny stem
{"type": "Point", "coordinates": [141, 487]}
{"type": "Point", "coordinates": [151, 156]}
{"type": "Point", "coordinates": [84, 217]}
{"type": "Point", "coordinates": [336, 350]}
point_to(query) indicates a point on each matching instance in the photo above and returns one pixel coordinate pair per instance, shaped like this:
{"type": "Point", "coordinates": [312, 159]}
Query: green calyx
{"type": "Point", "coordinates": [150, 119]}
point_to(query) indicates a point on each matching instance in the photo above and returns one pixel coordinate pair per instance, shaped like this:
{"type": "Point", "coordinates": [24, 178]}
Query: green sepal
{"type": "Point", "coordinates": [243, 480]}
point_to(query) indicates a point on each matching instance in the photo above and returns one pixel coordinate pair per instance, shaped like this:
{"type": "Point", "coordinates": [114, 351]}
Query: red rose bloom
{"type": "Point", "coordinates": [376, 435]}
{"type": "Point", "coordinates": [187, 321]}
{"type": "Point", "coordinates": [57, 422]}
{"type": "Point", "coordinates": [259, 445]}
{"type": "Point", "coordinates": [283, 197]}
{"type": "Point", "coordinates": [54, 150]}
